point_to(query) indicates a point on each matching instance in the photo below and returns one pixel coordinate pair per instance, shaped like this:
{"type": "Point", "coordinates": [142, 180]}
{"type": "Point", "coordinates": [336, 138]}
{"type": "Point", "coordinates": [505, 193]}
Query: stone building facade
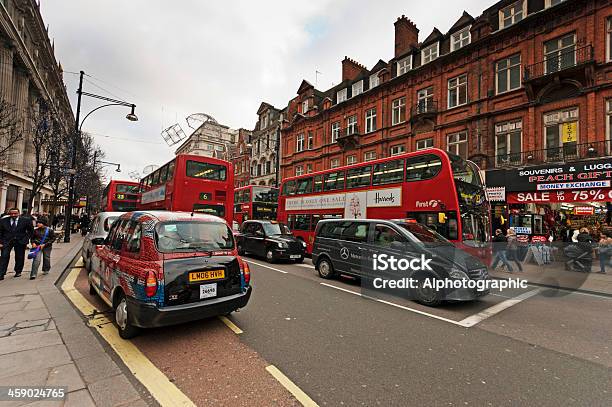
{"type": "Point", "coordinates": [264, 149]}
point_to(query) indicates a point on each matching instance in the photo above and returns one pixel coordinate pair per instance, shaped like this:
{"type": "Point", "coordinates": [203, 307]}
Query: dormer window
{"type": "Point", "coordinates": [305, 106]}
{"type": "Point", "coordinates": [357, 88]}
{"type": "Point", "coordinates": [430, 53]}
{"type": "Point", "coordinates": [374, 80]}
{"type": "Point", "coordinates": [460, 39]}
{"type": "Point", "coordinates": [404, 65]}
{"type": "Point", "coordinates": [341, 95]}
{"type": "Point", "coordinates": [511, 14]}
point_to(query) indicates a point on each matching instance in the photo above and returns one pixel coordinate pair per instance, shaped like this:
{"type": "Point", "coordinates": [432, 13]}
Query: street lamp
{"type": "Point", "coordinates": [78, 126]}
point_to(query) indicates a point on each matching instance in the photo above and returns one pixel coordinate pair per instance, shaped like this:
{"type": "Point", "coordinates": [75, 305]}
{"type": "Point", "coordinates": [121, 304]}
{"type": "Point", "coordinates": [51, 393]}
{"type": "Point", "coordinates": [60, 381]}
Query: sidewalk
{"type": "Point", "coordinates": [45, 342]}
{"type": "Point", "coordinates": [555, 275]}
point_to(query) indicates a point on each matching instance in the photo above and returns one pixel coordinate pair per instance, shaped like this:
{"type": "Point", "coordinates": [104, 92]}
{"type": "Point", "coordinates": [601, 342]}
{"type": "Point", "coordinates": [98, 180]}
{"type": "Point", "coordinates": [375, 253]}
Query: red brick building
{"type": "Point", "coordinates": [526, 82]}
{"type": "Point", "coordinates": [241, 158]}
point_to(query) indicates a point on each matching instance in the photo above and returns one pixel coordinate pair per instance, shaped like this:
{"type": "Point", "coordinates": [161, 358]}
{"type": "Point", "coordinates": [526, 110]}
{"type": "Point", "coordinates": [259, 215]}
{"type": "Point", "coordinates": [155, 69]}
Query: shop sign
{"type": "Point", "coordinates": [583, 195]}
{"type": "Point", "coordinates": [584, 210]}
{"type": "Point", "coordinates": [496, 194]}
{"type": "Point", "coordinates": [522, 230]}
{"type": "Point", "coordinates": [577, 175]}
{"type": "Point", "coordinates": [539, 238]}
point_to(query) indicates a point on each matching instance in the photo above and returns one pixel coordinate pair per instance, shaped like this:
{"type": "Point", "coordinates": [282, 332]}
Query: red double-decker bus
{"type": "Point", "coordinates": [433, 187]}
{"type": "Point", "coordinates": [255, 202]}
{"type": "Point", "coordinates": [119, 196]}
{"type": "Point", "coordinates": [191, 183]}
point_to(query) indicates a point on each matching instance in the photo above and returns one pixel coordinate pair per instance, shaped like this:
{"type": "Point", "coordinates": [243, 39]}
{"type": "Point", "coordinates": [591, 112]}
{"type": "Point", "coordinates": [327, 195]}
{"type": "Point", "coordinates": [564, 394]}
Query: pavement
{"type": "Point", "coordinates": [45, 342]}
{"type": "Point", "coordinates": [555, 275]}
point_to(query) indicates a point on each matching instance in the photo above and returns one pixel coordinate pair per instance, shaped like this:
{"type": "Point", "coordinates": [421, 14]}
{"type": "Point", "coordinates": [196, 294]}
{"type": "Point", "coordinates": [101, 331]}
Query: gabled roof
{"type": "Point", "coordinates": [263, 107]}
{"type": "Point", "coordinates": [465, 20]}
{"type": "Point", "coordinates": [379, 65]}
{"type": "Point", "coordinates": [435, 35]}
{"type": "Point", "coordinates": [305, 85]}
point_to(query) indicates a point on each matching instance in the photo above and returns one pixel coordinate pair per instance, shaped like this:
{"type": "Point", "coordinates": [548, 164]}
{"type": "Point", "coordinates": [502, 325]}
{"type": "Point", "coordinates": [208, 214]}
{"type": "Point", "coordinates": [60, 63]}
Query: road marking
{"type": "Point", "coordinates": [396, 305]}
{"type": "Point", "coordinates": [298, 393]}
{"type": "Point", "coordinates": [268, 267]}
{"type": "Point", "coordinates": [497, 308]}
{"type": "Point", "coordinates": [308, 266]}
{"type": "Point", "coordinates": [158, 384]}
{"type": "Point", "coordinates": [231, 325]}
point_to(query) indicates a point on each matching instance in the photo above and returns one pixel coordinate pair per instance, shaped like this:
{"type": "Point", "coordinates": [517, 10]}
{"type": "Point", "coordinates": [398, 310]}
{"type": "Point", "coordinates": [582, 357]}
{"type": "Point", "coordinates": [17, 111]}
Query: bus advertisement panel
{"type": "Point", "coordinates": [433, 187]}
{"type": "Point", "coordinates": [190, 183]}
{"type": "Point", "coordinates": [120, 196]}
{"type": "Point", "coordinates": [253, 202]}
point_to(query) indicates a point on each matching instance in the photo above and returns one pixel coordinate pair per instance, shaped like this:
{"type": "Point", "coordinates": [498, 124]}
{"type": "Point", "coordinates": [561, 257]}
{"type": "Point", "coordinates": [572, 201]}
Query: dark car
{"type": "Point", "coordinates": [160, 268]}
{"type": "Point", "coordinates": [270, 239]}
{"type": "Point", "coordinates": [349, 246]}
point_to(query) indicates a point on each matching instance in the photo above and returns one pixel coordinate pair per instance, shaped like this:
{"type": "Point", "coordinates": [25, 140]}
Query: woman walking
{"type": "Point", "coordinates": [42, 241]}
{"type": "Point", "coordinates": [513, 246]}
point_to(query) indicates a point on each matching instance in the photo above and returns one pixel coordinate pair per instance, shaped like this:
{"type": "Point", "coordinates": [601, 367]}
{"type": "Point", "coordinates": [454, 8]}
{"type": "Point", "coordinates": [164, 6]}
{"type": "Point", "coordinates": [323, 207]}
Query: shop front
{"type": "Point", "coordinates": [551, 200]}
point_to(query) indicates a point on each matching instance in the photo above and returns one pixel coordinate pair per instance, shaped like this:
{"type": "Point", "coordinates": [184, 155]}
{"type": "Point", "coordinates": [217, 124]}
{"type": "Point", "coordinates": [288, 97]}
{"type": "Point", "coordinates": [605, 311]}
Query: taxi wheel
{"type": "Point", "coordinates": [325, 268]}
{"type": "Point", "coordinates": [427, 295]}
{"type": "Point", "coordinates": [126, 329]}
{"type": "Point", "coordinates": [92, 290]}
{"type": "Point", "coordinates": [270, 256]}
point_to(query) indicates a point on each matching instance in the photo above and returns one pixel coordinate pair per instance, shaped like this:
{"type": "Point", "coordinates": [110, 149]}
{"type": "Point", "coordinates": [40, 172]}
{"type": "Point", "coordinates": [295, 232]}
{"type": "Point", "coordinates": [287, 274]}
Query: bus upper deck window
{"type": "Point", "coordinates": [423, 167]}
{"type": "Point", "coordinates": [334, 181]}
{"type": "Point", "coordinates": [318, 183]}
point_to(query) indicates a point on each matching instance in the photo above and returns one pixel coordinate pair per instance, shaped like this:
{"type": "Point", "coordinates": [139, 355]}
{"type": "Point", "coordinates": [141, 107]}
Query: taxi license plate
{"type": "Point", "coordinates": [196, 276]}
{"type": "Point", "coordinates": [294, 256]}
{"type": "Point", "coordinates": [208, 290]}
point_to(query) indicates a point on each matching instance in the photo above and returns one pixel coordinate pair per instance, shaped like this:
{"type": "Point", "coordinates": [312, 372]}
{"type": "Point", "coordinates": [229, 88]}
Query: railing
{"type": "Point", "coordinates": [349, 131]}
{"type": "Point", "coordinates": [424, 107]}
{"type": "Point", "coordinates": [568, 152]}
{"type": "Point", "coordinates": [559, 62]}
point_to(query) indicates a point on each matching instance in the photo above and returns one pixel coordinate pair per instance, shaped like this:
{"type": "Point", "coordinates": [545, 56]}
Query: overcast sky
{"type": "Point", "coordinates": [175, 58]}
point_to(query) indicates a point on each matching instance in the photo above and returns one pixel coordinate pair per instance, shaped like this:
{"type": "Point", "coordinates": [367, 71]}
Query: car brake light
{"type": "Point", "coordinates": [150, 284]}
{"type": "Point", "coordinates": [247, 272]}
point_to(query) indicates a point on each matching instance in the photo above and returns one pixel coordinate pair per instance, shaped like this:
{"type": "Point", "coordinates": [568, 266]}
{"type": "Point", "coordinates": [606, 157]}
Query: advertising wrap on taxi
{"type": "Point", "coordinates": [583, 181]}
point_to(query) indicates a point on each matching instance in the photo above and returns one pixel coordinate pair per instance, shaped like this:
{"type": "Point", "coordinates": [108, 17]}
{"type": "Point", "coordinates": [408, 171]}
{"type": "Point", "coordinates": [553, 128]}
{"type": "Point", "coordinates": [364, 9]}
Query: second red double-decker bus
{"type": "Point", "coordinates": [255, 202]}
{"type": "Point", "coordinates": [191, 183]}
{"type": "Point", "coordinates": [119, 196]}
{"type": "Point", "coordinates": [433, 187]}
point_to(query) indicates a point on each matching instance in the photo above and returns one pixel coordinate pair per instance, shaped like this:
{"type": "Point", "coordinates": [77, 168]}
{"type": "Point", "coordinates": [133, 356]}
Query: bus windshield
{"type": "Point", "coordinates": [464, 171]}
{"type": "Point", "coordinates": [210, 171]}
{"type": "Point", "coordinates": [127, 188]}
{"type": "Point", "coordinates": [265, 194]}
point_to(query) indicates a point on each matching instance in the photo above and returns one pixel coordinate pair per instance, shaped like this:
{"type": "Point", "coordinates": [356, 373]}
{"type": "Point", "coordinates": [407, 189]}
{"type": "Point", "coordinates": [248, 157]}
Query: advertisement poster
{"type": "Point", "coordinates": [355, 205]}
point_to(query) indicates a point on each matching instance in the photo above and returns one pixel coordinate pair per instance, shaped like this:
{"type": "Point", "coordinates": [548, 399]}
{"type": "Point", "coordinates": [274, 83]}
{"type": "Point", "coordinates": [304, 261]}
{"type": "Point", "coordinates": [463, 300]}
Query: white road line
{"type": "Point", "coordinates": [416, 311]}
{"type": "Point", "coordinates": [308, 266]}
{"type": "Point", "coordinates": [268, 267]}
{"type": "Point", "coordinates": [497, 308]}
{"type": "Point", "coordinates": [298, 393]}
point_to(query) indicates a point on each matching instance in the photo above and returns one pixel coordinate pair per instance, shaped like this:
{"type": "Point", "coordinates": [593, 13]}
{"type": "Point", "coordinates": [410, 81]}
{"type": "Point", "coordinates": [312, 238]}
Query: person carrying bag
{"type": "Point", "coordinates": [42, 241]}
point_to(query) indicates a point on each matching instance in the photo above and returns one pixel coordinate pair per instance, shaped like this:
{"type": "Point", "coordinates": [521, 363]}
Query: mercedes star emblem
{"type": "Point", "coordinates": [344, 253]}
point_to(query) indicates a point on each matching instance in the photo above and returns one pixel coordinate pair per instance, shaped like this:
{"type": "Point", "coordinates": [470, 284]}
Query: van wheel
{"type": "Point", "coordinates": [270, 256]}
{"type": "Point", "coordinates": [427, 295]}
{"type": "Point", "coordinates": [325, 268]}
{"type": "Point", "coordinates": [126, 329]}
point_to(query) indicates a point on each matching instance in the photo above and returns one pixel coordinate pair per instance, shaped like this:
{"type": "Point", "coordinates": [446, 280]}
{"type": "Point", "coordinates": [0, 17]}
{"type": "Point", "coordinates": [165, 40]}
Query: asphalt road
{"type": "Point", "coordinates": [343, 349]}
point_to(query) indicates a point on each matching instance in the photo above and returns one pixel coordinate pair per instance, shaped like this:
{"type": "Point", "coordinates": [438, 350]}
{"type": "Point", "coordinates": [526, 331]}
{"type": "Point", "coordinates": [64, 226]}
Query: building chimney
{"type": "Point", "coordinates": [406, 35]}
{"type": "Point", "coordinates": [351, 69]}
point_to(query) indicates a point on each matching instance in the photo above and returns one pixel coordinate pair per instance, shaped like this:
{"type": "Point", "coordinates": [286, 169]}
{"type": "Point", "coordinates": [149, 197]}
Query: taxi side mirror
{"type": "Point", "coordinates": [98, 241]}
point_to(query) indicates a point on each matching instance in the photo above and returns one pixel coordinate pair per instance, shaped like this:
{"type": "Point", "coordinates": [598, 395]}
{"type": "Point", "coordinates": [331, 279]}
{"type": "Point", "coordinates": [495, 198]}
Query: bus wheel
{"type": "Point", "coordinates": [427, 295]}
{"type": "Point", "coordinates": [325, 268]}
{"type": "Point", "coordinates": [270, 256]}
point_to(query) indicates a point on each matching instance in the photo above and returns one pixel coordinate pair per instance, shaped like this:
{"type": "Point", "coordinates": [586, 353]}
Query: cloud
{"type": "Point", "coordinates": [224, 58]}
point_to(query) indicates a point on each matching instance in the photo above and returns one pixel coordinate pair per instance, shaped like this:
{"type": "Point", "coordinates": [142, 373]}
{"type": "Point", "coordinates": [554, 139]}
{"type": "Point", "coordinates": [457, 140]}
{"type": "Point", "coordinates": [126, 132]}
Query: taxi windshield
{"type": "Point", "coordinates": [272, 229]}
{"type": "Point", "coordinates": [177, 236]}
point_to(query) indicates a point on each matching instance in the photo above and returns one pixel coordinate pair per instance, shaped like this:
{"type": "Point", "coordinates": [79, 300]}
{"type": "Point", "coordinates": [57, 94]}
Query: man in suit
{"type": "Point", "coordinates": [15, 233]}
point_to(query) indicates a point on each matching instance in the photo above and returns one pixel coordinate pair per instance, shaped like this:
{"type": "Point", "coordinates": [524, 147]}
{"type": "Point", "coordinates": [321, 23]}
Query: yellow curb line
{"type": "Point", "coordinates": [158, 384]}
{"type": "Point", "coordinates": [231, 325]}
{"type": "Point", "coordinates": [292, 387]}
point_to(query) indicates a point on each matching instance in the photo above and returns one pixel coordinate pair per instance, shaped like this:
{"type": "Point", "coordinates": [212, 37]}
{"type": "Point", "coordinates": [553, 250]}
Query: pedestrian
{"type": "Point", "coordinates": [15, 233]}
{"type": "Point", "coordinates": [55, 222]}
{"type": "Point", "coordinates": [42, 243]}
{"type": "Point", "coordinates": [84, 221]}
{"type": "Point", "coordinates": [500, 243]}
{"type": "Point", "coordinates": [585, 242]}
{"type": "Point", "coordinates": [513, 247]}
{"type": "Point", "coordinates": [605, 251]}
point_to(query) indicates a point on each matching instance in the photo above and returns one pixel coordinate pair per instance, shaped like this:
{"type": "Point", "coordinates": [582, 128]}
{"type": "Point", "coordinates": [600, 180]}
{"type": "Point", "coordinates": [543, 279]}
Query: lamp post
{"type": "Point", "coordinates": [77, 136]}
